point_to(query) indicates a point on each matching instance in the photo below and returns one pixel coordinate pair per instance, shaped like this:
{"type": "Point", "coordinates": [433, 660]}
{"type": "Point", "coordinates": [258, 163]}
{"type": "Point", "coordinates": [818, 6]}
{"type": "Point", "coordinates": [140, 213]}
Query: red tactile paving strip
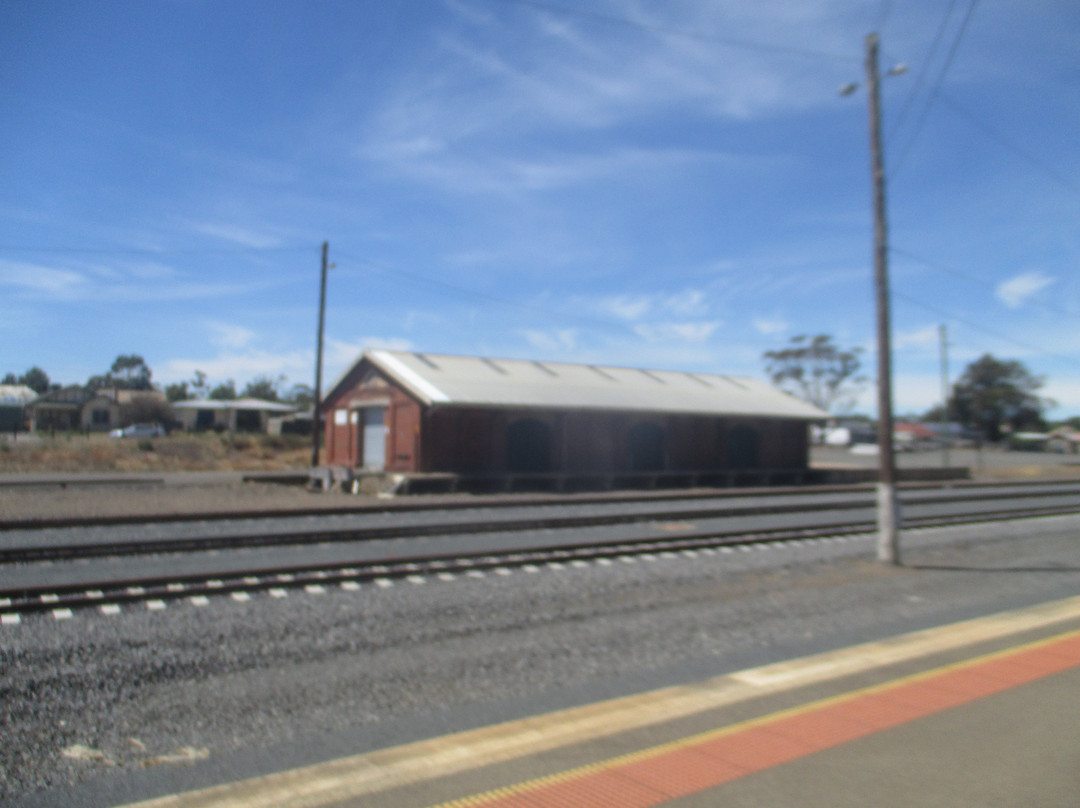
{"type": "Point", "coordinates": [695, 764]}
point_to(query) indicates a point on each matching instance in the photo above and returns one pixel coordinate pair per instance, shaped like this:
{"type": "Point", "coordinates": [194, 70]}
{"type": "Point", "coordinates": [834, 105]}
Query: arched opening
{"type": "Point", "coordinates": [528, 446]}
{"type": "Point", "coordinates": [646, 447]}
{"type": "Point", "coordinates": [743, 447]}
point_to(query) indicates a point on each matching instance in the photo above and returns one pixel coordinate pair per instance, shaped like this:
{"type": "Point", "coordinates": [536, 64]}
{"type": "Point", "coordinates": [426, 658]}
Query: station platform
{"type": "Point", "coordinates": [985, 712]}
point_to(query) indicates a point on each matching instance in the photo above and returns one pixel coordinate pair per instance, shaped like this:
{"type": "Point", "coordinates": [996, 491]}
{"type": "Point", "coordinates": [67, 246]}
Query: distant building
{"type": "Point", "coordinates": [475, 417]}
{"type": "Point", "coordinates": [1064, 440]}
{"type": "Point", "coordinates": [82, 409]}
{"type": "Point", "coordinates": [911, 437]}
{"type": "Point", "coordinates": [14, 400]}
{"type": "Point", "coordinates": [845, 432]}
{"type": "Point", "coordinates": [76, 409]}
{"type": "Point", "coordinates": [238, 415]}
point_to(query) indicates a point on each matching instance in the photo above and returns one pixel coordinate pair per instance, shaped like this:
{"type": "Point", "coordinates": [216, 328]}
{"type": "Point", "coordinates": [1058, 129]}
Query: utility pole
{"type": "Point", "coordinates": [888, 544]}
{"type": "Point", "coordinates": [945, 437]}
{"type": "Point", "coordinates": [316, 420]}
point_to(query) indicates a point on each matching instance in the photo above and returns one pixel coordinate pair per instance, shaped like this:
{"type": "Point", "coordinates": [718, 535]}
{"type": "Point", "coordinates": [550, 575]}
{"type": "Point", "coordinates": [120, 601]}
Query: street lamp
{"type": "Point", "coordinates": [888, 544]}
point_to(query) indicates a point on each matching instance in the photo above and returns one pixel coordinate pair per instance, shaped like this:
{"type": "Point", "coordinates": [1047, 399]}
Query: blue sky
{"type": "Point", "coordinates": [669, 184]}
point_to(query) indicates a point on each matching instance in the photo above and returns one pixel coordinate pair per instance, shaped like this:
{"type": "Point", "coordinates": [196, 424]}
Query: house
{"type": "Point", "coordinates": [14, 399]}
{"type": "Point", "coordinates": [1064, 440]}
{"type": "Point", "coordinates": [74, 409]}
{"type": "Point", "coordinates": [507, 419]}
{"type": "Point", "coordinates": [910, 436]}
{"type": "Point", "coordinates": [237, 415]}
{"type": "Point", "coordinates": [84, 409]}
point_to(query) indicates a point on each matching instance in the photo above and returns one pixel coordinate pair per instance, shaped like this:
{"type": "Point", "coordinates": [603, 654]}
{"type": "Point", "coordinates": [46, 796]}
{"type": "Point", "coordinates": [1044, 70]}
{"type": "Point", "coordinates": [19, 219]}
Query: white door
{"type": "Point", "coordinates": [374, 438]}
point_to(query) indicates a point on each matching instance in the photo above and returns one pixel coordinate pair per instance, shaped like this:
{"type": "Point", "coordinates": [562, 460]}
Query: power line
{"type": "Point", "coordinates": [146, 251]}
{"type": "Point", "coordinates": [973, 279]}
{"type": "Point", "coordinates": [883, 14]}
{"type": "Point", "coordinates": [730, 42]}
{"type": "Point", "coordinates": [988, 130]}
{"type": "Point", "coordinates": [936, 88]}
{"type": "Point", "coordinates": [997, 335]}
{"type": "Point", "coordinates": [502, 301]}
{"type": "Point", "coordinates": [926, 64]}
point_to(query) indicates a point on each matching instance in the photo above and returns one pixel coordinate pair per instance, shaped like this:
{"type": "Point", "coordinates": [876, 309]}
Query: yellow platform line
{"type": "Point", "coordinates": [373, 772]}
{"type": "Point", "coordinates": [494, 796]}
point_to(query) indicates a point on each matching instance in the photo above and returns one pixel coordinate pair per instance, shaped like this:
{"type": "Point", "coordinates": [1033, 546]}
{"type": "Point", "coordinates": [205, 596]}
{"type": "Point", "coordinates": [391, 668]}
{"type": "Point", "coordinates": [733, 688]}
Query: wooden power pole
{"type": "Point", "coordinates": [316, 426]}
{"type": "Point", "coordinates": [888, 544]}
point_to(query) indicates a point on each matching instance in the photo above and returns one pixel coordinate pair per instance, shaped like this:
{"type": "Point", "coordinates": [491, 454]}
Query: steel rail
{"type": "Point", "coordinates": [345, 534]}
{"type": "Point", "coordinates": [84, 595]}
{"type": "Point", "coordinates": [496, 502]}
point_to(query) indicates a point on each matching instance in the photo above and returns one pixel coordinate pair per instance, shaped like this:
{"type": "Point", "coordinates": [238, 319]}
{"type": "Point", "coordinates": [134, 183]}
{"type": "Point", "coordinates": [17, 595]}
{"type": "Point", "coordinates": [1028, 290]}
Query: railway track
{"type": "Point", "coordinates": [654, 533]}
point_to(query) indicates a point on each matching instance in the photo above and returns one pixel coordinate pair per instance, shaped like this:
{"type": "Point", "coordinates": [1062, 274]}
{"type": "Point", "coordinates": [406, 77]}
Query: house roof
{"type": "Point", "coordinates": [233, 404]}
{"type": "Point", "coordinates": [71, 397]}
{"type": "Point", "coordinates": [16, 395]}
{"type": "Point", "coordinates": [438, 379]}
{"type": "Point", "coordinates": [915, 430]}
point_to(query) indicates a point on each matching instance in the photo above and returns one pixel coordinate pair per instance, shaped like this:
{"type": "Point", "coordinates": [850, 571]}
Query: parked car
{"type": "Point", "coordinates": [139, 431]}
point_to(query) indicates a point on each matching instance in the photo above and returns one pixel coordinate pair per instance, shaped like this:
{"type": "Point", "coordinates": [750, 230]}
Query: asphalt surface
{"type": "Point", "coordinates": [105, 709]}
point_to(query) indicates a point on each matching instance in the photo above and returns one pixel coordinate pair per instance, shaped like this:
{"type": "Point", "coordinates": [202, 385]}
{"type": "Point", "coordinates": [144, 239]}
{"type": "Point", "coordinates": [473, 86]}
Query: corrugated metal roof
{"type": "Point", "coordinates": [474, 381]}
{"type": "Point", "coordinates": [233, 404]}
{"type": "Point", "coordinates": [16, 395]}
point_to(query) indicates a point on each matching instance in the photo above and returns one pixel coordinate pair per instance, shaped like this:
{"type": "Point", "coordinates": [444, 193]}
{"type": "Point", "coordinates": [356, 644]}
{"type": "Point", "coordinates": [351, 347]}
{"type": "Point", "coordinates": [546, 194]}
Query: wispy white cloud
{"type": "Point", "coordinates": [42, 280]}
{"type": "Point", "coordinates": [480, 171]}
{"type": "Point", "coordinates": [241, 367]}
{"type": "Point", "coordinates": [1016, 291]}
{"type": "Point", "coordinates": [624, 307]}
{"type": "Point", "coordinates": [687, 303]}
{"type": "Point", "coordinates": [682, 332]}
{"type": "Point", "coordinates": [119, 283]}
{"type": "Point", "coordinates": [557, 342]}
{"type": "Point", "coordinates": [236, 234]}
{"type": "Point", "coordinates": [928, 337]}
{"type": "Point", "coordinates": [229, 336]}
{"type": "Point", "coordinates": [770, 325]}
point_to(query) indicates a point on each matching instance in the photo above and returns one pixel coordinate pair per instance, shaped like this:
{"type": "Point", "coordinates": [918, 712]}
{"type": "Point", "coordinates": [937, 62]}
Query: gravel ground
{"type": "Point", "coordinates": [121, 500]}
{"type": "Point", "coordinates": [128, 705]}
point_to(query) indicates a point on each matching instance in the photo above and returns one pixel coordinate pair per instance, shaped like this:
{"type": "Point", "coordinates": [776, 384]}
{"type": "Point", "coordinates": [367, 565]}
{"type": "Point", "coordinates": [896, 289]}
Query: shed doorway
{"type": "Point", "coordinates": [528, 446]}
{"type": "Point", "coordinates": [373, 438]}
{"type": "Point", "coordinates": [743, 447]}
{"type": "Point", "coordinates": [646, 447]}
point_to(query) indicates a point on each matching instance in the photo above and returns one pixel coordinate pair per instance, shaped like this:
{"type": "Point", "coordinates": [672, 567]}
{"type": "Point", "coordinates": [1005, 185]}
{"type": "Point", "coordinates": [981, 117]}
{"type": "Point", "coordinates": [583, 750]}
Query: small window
{"type": "Point", "coordinates": [99, 417]}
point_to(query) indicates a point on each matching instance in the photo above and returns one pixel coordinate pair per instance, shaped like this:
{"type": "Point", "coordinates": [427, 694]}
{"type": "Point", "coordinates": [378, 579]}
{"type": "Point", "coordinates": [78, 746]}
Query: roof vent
{"type": "Point", "coordinates": [698, 379]}
{"type": "Point", "coordinates": [546, 369]}
{"type": "Point", "coordinates": [426, 361]}
{"type": "Point", "coordinates": [491, 364]}
{"type": "Point", "coordinates": [599, 372]}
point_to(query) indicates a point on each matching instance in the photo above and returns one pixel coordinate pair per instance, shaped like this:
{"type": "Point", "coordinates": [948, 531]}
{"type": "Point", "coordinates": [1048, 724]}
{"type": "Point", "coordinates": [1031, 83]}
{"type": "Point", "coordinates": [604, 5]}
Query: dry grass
{"type": "Point", "coordinates": [205, 452]}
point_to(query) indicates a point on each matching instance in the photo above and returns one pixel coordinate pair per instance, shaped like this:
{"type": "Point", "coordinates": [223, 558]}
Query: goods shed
{"type": "Point", "coordinates": [512, 422]}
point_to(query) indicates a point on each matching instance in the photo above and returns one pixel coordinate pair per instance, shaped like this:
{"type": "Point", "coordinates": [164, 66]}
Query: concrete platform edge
{"type": "Point", "coordinates": [381, 770]}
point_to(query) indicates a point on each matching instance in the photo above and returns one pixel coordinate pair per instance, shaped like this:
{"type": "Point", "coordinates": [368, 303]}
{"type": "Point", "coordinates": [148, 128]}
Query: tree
{"type": "Point", "coordinates": [35, 378]}
{"type": "Point", "coordinates": [198, 384]}
{"type": "Point", "coordinates": [816, 370]}
{"type": "Point", "coordinates": [224, 392]}
{"type": "Point", "coordinates": [131, 372]}
{"type": "Point", "coordinates": [176, 392]}
{"type": "Point", "coordinates": [10, 378]}
{"type": "Point", "coordinates": [301, 396]}
{"type": "Point", "coordinates": [264, 387]}
{"type": "Point", "coordinates": [127, 373]}
{"type": "Point", "coordinates": [992, 393]}
{"type": "Point", "coordinates": [146, 410]}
